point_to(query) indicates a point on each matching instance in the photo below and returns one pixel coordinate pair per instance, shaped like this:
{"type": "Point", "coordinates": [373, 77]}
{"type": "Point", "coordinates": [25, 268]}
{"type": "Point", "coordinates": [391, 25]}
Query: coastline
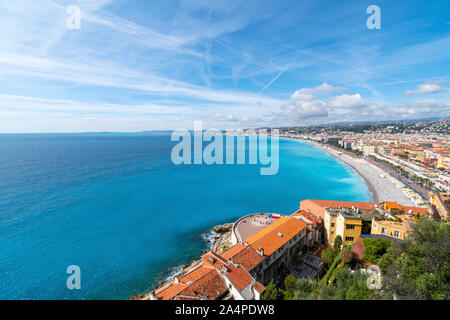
{"type": "Point", "coordinates": [381, 185]}
{"type": "Point", "coordinates": [373, 191]}
{"type": "Point", "coordinates": [218, 237]}
{"type": "Point", "coordinates": [219, 240]}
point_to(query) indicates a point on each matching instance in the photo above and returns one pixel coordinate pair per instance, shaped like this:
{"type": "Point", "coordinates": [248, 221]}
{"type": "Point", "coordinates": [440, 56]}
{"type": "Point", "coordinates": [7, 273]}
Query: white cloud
{"type": "Point", "coordinates": [305, 105]}
{"type": "Point", "coordinates": [23, 113]}
{"type": "Point", "coordinates": [348, 101]}
{"type": "Point", "coordinates": [225, 118]}
{"type": "Point", "coordinates": [427, 87]}
{"type": "Point", "coordinates": [305, 108]}
{"type": "Point", "coordinates": [324, 87]}
{"type": "Point", "coordinates": [153, 72]}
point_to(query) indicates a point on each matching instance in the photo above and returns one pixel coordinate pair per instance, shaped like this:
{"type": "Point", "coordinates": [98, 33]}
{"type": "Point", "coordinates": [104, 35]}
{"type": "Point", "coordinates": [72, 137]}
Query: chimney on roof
{"type": "Point", "coordinates": [260, 251]}
{"type": "Point", "coordinates": [280, 234]}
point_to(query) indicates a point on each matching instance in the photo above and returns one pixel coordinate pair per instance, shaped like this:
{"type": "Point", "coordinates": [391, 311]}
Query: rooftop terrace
{"type": "Point", "coordinates": [355, 213]}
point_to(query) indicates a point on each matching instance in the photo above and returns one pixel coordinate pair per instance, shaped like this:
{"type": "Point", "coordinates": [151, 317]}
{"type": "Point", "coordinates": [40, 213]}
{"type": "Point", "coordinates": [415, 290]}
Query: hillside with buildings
{"type": "Point", "coordinates": [269, 250]}
{"type": "Point", "coordinates": [415, 154]}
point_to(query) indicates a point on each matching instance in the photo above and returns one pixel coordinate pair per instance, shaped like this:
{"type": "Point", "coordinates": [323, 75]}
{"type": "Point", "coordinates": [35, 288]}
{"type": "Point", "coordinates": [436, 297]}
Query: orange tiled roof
{"type": "Point", "coordinates": [310, 216]}
{"type": "Point", "coordinates": [238, 276]}
{"type": "Point", "coordinates": [210, 287]}
{"type": "Point", "coordinates": [171, 291]}
{"type": "Point", "coordinates": [266, 230]}
{"type": "Point", "coordinates": [214, 260]}
{"type": "Point", "coordinates": [195, 274]}
{"type": "Point", "coordinates": [347, 204]}
{"type": "Point", "coordinates": [259, 287]}
{"type": "Point", "coordinates": [395, 205]}
{"type": "Point", "coordinates": [414, 209]}
{"type": "Point", "coordinates": [187, 294]}
{"type": "Point", "coordinates": [248, 258]}
{"type": "Point", "coordinates": [186, 298]}
{"type": "Point", "coordinates": [233, 250]}
{"type": "Point", "coordinates": [268, 238]}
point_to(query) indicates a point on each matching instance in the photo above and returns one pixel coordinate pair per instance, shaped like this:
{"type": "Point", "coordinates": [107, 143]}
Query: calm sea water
{"type": "Point", "coordinates": [116, 206]}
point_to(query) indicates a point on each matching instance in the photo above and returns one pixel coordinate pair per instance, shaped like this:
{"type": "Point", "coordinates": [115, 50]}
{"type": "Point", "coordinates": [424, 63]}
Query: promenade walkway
{"type": "Point", "coordinates": [251, 224]}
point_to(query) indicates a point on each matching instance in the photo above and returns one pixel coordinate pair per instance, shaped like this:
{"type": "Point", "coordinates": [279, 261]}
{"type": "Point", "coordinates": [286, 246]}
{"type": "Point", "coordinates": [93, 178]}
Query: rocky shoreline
{"type": "Point", "coordinates": [219, 238]}
{"type": "Point", "coordinates": [222, 242]}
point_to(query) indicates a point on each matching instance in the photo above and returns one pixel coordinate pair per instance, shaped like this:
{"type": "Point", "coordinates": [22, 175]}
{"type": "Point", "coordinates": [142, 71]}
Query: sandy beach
{"type": "Point", "coordinates": [382, 186]}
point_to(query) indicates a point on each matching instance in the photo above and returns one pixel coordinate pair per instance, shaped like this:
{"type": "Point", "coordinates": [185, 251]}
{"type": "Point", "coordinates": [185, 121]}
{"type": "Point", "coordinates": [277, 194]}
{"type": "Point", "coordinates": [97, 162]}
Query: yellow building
{"type": "Point", "coordinates": [368, 149]}
{"type": "Point", "coordinates": [443, 162]}
{"type": "Point", "coordinates": [417, 153]}
{"type": "Point", "coordinates": [393, 229]}
{"type": "Point", "coordinates": [397, 150]}
{"type": "Point", "coordinates": [345, 223]}
{"type": "Point", "coordinates": [353, 219]}
{"type": "Point", "coordinates": [438, 202]}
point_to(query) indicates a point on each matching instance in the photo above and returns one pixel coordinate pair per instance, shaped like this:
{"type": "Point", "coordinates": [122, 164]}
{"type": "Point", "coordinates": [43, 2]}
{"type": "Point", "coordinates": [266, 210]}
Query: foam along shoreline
{"type": "Point", "coordinates": [382, 186]}
{"type": "Point", "coordinates": [219, 240]}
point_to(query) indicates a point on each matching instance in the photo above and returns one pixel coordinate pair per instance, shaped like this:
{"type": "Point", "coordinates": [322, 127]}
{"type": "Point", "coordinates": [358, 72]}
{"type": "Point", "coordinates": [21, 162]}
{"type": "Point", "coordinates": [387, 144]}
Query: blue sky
{"type": "Point", "coordinates": [158, 65]}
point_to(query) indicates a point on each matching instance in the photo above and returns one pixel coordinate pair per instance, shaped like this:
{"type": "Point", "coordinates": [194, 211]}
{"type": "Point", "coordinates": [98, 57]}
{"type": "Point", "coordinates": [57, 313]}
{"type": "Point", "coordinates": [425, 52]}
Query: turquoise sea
{"type": "Point", "coordinates": [116, 206]}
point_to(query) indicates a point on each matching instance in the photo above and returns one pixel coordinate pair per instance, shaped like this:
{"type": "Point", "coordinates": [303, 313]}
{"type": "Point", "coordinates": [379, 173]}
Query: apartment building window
{"type": "Point", "coordinates": [374, 226]}
{"type": "Point", "coordinates": [350, 226]}
{"type": "Point", "coordinates": [332, 225]}
{"type": "Point", "coordinates": [332, 232]}
{"type": "Point", "coordinates": [397, 234]}
{"type": "Point", "coordinates": [384, 231]}
{"type": "Point", "coordinates": [349, 239]}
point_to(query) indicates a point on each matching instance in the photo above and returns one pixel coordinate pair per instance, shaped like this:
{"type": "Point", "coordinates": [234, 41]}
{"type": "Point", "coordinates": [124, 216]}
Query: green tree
{"type": "Point", "coordinates": [328, 256]}
{"type": "Point", "coordinates": [375, 248]}
{"type": "Point", "coordinates": [337, 242]}
{"type": "Point", "coordinates": [419, 267]}
{"type": "Point", "coordinates": [304, 288]}
{"type": "Point", "coordinates": [347, 286]}
{"type": "Point", "coordinates": [290, 284]}
{"type": "Point", "coordinates": [272, 292]}
{"type": "Point", "coordinates": [351, 285]}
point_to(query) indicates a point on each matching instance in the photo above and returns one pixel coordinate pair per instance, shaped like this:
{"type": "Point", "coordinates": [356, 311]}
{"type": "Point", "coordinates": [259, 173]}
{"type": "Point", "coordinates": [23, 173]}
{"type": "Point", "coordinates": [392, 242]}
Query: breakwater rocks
{"type": "Point", "coordinates": [222, 241]}
{"type": "Point", "coordinates": [219, 237]}
{"type": "Point", "coordinates": [223, 228]}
